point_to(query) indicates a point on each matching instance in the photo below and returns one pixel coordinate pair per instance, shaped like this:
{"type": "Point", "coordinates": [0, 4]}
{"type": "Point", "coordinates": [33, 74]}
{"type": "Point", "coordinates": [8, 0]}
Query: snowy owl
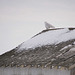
{"type": "Point", "coordinates": [47, 25]}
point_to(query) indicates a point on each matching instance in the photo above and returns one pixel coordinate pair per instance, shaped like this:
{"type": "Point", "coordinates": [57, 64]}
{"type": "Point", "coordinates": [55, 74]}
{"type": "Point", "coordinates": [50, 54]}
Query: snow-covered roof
{"type": "Point", "coordinates": [48, 38]}
{"type": "Point", "coordinates": [52, 47]}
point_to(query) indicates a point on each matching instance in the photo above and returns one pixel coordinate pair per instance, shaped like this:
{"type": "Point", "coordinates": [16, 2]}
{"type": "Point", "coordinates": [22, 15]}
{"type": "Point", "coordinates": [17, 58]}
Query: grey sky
{"type": "Point", "coordinates": [21, 19]}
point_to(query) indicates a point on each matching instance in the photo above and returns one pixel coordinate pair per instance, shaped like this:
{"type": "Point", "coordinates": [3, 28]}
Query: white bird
{"type": "Point", "coordinates": [47, 25]}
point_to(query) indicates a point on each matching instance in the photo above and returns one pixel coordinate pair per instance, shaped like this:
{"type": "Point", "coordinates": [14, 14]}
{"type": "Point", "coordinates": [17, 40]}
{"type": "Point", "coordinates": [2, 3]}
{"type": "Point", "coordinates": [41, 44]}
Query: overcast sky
{"type": "Point", "coordinates": [22, 19]}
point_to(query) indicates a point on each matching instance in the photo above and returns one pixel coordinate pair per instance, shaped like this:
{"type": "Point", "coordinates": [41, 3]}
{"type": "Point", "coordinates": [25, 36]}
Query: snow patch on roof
{"type": "Point", "coordinates": [74, 43]}
{"type": "Point", "coordinates": [72, 49]}
{"type": "Point", "coordinates": [49, 38]}
{"type": "Point", "coordinates": [66, 47]}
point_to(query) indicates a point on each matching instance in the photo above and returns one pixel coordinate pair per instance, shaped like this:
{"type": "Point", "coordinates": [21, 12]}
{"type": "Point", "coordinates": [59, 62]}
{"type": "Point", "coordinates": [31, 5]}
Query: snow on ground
{"type": "Point", "coordinates": [48, 38]}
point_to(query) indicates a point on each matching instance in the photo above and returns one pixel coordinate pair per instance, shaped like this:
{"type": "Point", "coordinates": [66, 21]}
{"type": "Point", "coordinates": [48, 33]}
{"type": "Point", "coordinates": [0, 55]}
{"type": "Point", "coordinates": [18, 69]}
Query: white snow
{"type": "Point", "coordinates": [48, 38]}
{"type": "Point", "coordinates": [74, 43]}
{"type": "Point", "coordinates": [59, 55]}
{"type": "Point", "coordinates": [72, 49]}
{"type": "Point", "coordinates": [66, 47]}
{"type": "Point", "coordinates": [12, 56]}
